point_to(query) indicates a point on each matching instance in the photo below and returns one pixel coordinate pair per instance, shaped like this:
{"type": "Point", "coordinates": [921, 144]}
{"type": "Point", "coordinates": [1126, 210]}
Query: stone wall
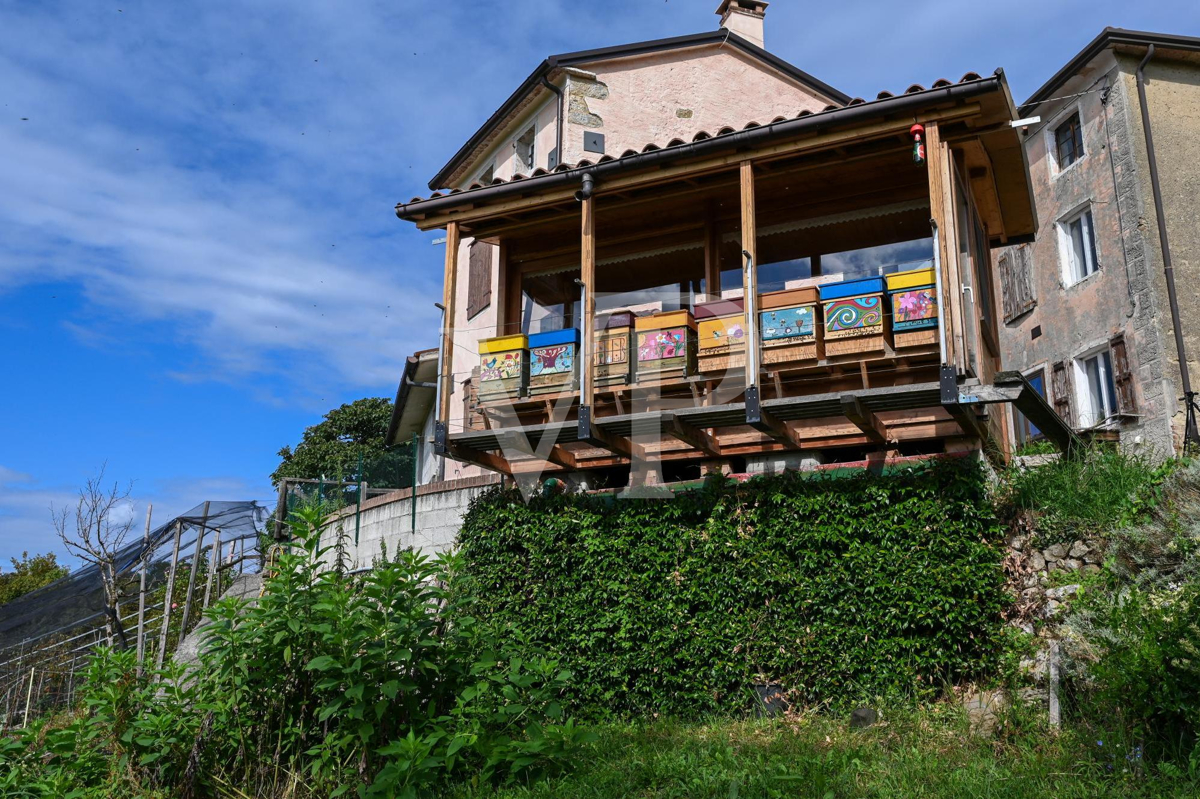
{"type": "Point", "coordinates": [387, 520]}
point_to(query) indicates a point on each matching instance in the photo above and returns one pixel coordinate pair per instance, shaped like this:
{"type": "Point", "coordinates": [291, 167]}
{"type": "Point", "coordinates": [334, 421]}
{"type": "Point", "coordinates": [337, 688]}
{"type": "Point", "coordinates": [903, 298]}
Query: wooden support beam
{"type": "Point", "coordinates": [692, 436]}
{"type": "Point", "coordinates": [450, 290]}
{"type": "Point", "coordinates": [588, 269]}
{"type": "Point", "coordinates": [596, 437]}
{"type": "Point", "coordinates": [712, 258]}
{"type": "Point", "coordinates": [487, 460]}
{"type": "Point", "coordinates": [1038, 411]}
{"type": "Point", "coordinates": [778, 430]}
{"type": "Point", "coordinates": [941, 209]}
{"type": "Point", "coordinates": [864, 419]}
{"type": "Point", "coordinates": [750, 276]}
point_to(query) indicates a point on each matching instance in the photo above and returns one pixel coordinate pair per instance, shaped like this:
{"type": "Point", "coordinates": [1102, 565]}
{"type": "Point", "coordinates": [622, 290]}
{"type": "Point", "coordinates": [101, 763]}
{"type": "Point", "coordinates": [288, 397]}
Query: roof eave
{"type": "Point", "coordinates": [1107, 38]}
{"type": "Point", "coordinates": [746, 137]}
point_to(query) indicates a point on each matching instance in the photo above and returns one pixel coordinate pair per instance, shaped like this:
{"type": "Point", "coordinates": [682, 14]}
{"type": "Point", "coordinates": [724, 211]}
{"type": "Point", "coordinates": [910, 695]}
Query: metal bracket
{"type": "Point", "coordinates": [948, 382]}
{"type": "Point", "coordinates": [585, 423]}
{"type": "Point", "coordinates": [440, 439]}
{"type": "Point", "coordinates": [753, 406]}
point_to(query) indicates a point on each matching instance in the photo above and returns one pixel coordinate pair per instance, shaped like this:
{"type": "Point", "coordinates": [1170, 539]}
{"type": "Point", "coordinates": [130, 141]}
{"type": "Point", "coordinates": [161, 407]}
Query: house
{"type": "Point", "coordinates": [755, 269]}
{"type": "Point", "coordinates": [1089, 312]}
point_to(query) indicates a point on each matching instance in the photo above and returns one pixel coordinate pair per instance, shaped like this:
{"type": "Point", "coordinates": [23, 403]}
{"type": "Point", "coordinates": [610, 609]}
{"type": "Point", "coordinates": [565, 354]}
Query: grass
{"type": "Point", "coordinates": [1087, 496]}
{"type": "Point", "coordinates": [925, 753]}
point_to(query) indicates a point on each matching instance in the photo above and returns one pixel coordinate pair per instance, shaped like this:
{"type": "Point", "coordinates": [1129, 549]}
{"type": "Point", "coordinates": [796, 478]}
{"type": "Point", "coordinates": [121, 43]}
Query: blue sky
{"type": "Point", "coordinates": [198, 255]}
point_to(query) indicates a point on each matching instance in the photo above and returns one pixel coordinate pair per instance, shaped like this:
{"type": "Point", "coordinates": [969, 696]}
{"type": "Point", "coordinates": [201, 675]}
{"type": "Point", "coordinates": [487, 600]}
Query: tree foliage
{"type": "Point", "coordinates": [840, 588]}
{"type": "Point", "coordinates": [332, 448]}
{"type": "Point", "coordinates": [29, 574]}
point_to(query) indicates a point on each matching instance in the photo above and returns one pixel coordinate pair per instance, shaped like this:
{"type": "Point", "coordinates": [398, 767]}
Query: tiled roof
{"type": "Point", "coordinates": [701, 135]}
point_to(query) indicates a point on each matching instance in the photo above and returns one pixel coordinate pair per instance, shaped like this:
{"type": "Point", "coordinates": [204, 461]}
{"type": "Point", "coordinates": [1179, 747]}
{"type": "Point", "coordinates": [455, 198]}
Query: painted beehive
{"type": "Point", "coordinates": [914, 302]}
{"type": "Point", "coordinates": [666, 346]}
{"type": "Point", "coordinates": [503, 368]}
{"type": "Point", "coordinates": [552, 361]}
{"type": "Point", "coordinates": [788, 327]}
{"type": "Point", "coordinates": [854, 316]}
{"type": "Point", "coordinates": [721, 326]}
{"type": "Point", "coordinates": [613, 360]}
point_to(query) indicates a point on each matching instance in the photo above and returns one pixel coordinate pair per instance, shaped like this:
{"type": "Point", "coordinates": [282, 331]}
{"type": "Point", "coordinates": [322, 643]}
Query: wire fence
{"type": "Point", "coordinates": [165, 582]}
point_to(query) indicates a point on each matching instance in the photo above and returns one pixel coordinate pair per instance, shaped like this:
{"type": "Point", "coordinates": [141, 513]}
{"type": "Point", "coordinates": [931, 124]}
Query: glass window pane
{"type": "Point", "coordinates": [1095, 393]}
{"type": "Point", "coordinates": [1110, 389]}
{"type": "Point", "coordinates": [1078, 259]}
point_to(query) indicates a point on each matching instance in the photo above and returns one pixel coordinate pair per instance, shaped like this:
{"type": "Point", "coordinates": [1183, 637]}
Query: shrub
{"type": "Point", "coordinates": [381, 685]}
{"type": "Point", "coordinates": [840, 587]}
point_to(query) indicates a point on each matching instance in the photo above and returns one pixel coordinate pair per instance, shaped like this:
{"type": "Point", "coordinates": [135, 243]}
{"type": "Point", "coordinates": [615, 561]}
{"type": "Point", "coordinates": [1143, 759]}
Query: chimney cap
{"type": "Point", "coordinates": [756, 7]}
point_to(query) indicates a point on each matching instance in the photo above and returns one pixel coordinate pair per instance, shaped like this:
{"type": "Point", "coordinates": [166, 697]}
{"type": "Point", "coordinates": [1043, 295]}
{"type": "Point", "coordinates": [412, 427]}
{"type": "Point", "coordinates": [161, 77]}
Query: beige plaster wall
{"type": "Point", "coordinates": [1173, 96]}
{"type": "Point", "coordinates": [676, 94]}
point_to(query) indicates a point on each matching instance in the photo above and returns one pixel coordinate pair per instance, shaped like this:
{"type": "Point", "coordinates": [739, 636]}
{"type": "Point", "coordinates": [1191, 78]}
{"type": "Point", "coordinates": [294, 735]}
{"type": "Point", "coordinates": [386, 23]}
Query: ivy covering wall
{"type": "Point", "coordinates": [839, 587]}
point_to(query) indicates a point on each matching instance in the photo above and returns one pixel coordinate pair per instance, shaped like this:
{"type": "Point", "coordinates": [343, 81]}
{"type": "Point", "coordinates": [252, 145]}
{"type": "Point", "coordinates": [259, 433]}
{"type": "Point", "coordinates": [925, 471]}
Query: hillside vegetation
{"type": "Point", "coordinates": [596, 646]}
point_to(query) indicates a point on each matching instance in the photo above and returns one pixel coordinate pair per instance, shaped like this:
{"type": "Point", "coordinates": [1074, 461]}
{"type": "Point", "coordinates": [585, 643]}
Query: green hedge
{"type": "Point", "coordinates": [840, 587]}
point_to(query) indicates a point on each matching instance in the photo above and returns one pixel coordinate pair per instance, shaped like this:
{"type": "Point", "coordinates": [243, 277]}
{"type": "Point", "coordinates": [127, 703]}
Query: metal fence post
{"type": "Point", "coordinates": [28, 699]}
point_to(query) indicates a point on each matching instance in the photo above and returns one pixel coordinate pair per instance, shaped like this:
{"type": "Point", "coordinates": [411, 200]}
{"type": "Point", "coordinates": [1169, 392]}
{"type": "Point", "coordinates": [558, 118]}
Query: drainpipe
{"type": "Point", "coordinates": [1190, 433]}
{"type": "Point", "coordinates": [558, 120]}
{"type": "Point", "coordinates": [586, 187]}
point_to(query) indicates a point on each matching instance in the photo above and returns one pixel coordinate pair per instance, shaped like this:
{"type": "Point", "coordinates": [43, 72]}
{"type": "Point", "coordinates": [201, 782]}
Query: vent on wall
{"type": "Point", "coordinates": [593, 142]}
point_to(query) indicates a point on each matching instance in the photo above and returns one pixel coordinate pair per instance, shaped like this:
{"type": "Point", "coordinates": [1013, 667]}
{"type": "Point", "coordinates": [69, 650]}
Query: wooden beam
{"type": "Point", "coordinates": [588, 269]}
{"type": "Point", "coordinates": [778, 430]}
{"type": "Point", "coordinates": [487, 460]}
{"type": "Point", "coordinates": [598, 438]}
{"type": "Point", "coordinates": [712, 257]}
{"type": "Point", "coordinates": [749, 276]}
{"type": "Point", "coordinates": [449, 292]}
{"type": "Point", "coordinates": [821, 141]}
{"type": "Point", "coordinates": [692, 436]}
{"type": "Point", "coordinates": [864, 419]}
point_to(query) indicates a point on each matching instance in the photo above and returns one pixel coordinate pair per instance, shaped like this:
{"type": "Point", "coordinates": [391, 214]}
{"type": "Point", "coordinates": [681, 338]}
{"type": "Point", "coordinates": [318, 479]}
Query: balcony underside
{"type": "Point", "coordinates": [873, 417]}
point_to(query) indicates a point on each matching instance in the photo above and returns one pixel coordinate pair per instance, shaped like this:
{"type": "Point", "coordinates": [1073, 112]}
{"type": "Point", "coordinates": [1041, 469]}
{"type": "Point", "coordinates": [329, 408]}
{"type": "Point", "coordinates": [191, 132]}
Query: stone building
{"type": "Point", "coordinates": [1087, 314]}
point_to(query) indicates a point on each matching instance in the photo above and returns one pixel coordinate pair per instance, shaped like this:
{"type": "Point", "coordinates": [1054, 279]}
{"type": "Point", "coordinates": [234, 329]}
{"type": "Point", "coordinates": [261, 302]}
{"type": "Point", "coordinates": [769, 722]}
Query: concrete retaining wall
{"type": "Point", "coordinates": [387, 520]}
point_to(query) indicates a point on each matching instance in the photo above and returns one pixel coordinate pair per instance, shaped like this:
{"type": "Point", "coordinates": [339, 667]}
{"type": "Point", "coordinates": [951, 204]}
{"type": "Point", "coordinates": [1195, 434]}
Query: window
{"type": "Point", "coordinates": [1025, 429]}
{"type": "Point", "coordinates": [1078, 242]}
{"type": "Point", "coordinates": [524, 149]}
{"type": "Point", "coordinates": [1096, 389]}
{"type": "Point", "coordinates": [1068, 142]}
{"type": "Point", "coordinates": [488, 175]}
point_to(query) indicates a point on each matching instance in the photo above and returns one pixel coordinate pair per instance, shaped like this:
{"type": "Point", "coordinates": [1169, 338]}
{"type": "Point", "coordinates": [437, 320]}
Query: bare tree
{"type": "Point", "coordinates": [94, 530]}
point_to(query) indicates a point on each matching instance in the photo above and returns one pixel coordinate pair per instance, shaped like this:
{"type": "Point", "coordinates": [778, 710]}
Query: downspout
{"type": "Point", "coordinates": [558, 121]}
{"type": "Point", "coordinates": [1190, 433]}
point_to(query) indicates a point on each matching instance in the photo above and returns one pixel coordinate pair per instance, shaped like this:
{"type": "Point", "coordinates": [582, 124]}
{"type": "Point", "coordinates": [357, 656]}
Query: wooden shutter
{"type": "Point", "coordinates": [1122, 375]}
{"type": "Point", "coordinates": [479, 278]}
{"type": "Point", "coordinates": [1016, 282]}
{"type": "Point", "coordinates": [1060, 384]}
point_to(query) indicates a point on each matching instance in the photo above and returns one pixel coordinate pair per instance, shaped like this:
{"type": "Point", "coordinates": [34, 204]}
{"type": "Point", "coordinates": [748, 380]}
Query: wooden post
{"type": "Point", "coordinates": [1052, 664]}
{"type": "Point", "coordinates": [750, 276]}
{"type": "Point", "coordinates": [141, 627]}
{"type": "Point", "coordinates": [166, 609]}
{"type": "Point", "coordinates": [281, 509]}
{"type": "Point", "coordinates": [588, 268]}
{"type": "Point", "coordinates": [214, 566]}
{"type": "Point", "coordinates": [941, 208]}
{"type": "Point", "coordinates": [449, 293]}
{"type": "Point", "coordinates": [712, 259]}
{"type": "Point", "coordinates": [187, 598]}
{"type": "Point", "coordinates": [28, 699]}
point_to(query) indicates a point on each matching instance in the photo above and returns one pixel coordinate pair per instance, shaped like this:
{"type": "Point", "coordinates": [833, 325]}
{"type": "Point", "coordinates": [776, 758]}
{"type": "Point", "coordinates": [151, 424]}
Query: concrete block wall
{"type": "Point", "coordinates": [387, 520]}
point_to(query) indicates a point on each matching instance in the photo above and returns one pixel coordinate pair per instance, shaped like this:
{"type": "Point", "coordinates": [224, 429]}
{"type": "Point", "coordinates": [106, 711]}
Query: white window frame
{"type": "Point", "coordinates": [1071, 274]}
{"type": "Point", "coordinates": [1052, 140]}
{"type": "Point", "coordinates": [1087, 412]}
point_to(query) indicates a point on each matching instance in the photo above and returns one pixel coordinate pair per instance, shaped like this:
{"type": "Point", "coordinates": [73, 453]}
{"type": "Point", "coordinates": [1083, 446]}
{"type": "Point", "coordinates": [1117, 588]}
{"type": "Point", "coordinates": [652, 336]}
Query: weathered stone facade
{"type": "Point", "coordinates": [1127, 295]}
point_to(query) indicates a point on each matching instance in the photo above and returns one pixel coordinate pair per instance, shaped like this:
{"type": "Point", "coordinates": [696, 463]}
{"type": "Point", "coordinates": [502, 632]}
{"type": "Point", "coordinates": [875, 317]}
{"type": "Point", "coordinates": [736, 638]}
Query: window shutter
{"type": "Point", "coordinates": [479, 278]}
{"type": "Point", "coordinates": [1061, 385]}
{"type": "Point", "coordinates": [1016, 282]}
{"type": "Point", "coordinates": [1122, 375]}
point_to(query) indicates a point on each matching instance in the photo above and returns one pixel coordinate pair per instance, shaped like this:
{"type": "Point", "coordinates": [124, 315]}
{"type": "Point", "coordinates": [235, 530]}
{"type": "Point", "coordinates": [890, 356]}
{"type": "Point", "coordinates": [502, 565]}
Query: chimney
{"type": "Point", "coordinates": [745, 18]}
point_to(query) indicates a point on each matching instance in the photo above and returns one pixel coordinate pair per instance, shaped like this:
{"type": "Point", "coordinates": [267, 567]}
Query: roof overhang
{"type": "Point", "coordinates": [989, 124]}
{"type": "Point", "coordinates": [1109, 38]}
{"type": "Point", "coordinates": [414, 401]}
{"type": "Point", "coordinates": [533, 83]}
